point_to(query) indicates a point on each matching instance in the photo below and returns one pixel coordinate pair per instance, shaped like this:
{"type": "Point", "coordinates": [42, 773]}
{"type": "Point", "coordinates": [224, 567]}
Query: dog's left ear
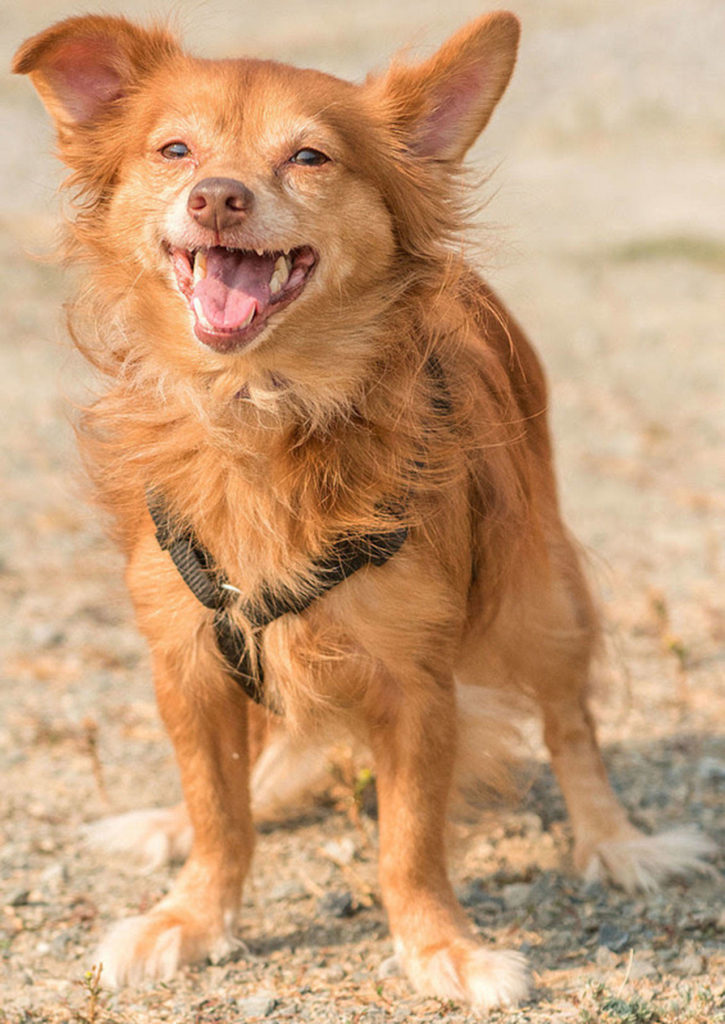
{"type": "Point", "coordinates": [440, 107]}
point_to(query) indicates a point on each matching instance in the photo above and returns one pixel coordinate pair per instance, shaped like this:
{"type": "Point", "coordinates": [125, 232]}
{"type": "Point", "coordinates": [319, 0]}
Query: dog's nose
{"type": "Point", "coordinates": [219, 203]}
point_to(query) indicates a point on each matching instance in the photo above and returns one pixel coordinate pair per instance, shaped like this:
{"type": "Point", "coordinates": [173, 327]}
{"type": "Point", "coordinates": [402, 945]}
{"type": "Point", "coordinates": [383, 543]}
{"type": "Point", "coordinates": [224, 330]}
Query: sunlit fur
{"type": "Point", "coordinates": [272, 451]}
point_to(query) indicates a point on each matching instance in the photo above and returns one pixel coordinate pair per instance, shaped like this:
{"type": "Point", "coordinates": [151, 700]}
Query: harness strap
{"type": "Point", "coordinates": [348, 554]}
{"type": "Point", "coordinates": [196, 567]}
{"type": "Point", "coordinates": [194, 563]}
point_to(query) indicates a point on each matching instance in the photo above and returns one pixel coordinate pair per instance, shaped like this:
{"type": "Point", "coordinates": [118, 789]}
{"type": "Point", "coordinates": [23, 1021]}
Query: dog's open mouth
{"type": "Point", "coordinates": [232, 293]}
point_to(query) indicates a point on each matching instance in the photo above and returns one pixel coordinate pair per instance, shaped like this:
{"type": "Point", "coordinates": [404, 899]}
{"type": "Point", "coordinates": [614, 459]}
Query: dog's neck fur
{"type": "Point", "coordinates": [333, 435]}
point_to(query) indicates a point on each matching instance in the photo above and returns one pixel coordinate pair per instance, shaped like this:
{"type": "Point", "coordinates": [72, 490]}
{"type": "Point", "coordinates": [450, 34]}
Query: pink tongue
{"type": "Point", "coordinates": [236, 283]}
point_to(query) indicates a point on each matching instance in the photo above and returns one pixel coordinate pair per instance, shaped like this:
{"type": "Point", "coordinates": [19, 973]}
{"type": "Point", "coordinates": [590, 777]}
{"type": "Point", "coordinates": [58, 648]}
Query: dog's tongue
{"type": "Point", "coordinates": [236, 284]}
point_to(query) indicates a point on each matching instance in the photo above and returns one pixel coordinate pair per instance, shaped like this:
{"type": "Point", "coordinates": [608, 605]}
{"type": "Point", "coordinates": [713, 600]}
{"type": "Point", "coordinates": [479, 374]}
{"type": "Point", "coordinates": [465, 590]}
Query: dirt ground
{"type": "Point", "coordinates": [605, 231]}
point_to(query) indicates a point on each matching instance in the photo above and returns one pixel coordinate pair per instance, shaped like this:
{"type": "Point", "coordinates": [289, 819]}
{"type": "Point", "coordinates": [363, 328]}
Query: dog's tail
{"type": "Point", "coordinates": [292, 774]}
{"type": "Point", "coordinates": [492, 744]}
{"type": "Point", "coordinates": [289, 776]}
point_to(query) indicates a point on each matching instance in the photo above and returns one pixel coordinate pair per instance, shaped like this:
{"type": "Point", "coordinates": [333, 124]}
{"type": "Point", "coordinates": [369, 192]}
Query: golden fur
{"type": "Point", "coordinates": [272, 449]}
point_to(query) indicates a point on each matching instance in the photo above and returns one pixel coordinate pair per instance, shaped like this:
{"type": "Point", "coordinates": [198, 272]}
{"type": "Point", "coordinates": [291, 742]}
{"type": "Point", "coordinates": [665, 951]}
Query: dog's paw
{"type": "Point", "coordinates": [468, 973]}
{"type": "Point", "coordinates": [154, 837]}
{"type": "Point", "coordinates": [154, 946]}
{"type": "Point", "coordinates": [644, 862]}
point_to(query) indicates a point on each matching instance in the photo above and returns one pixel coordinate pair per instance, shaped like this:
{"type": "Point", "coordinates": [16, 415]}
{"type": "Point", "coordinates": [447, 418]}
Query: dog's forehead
{"type": "Point", "coordinates": [246, 95]}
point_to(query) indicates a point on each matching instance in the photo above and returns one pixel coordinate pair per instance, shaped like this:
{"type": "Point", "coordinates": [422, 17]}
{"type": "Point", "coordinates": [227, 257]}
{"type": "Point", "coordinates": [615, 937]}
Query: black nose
{"type": "Point", "coordinates": [219, 203]}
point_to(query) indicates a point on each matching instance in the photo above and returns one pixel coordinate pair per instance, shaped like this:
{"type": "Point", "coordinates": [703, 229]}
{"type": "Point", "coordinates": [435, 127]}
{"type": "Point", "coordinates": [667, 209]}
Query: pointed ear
{"type": "Point", "coordinates": [441, 106]}
{"type": "Point", "coordinates": [81, 66]}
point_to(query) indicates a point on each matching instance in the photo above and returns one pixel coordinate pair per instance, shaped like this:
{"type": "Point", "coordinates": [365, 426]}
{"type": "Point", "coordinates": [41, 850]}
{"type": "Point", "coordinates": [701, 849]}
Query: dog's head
{"type": "Point", "coordinates": [255, 196]}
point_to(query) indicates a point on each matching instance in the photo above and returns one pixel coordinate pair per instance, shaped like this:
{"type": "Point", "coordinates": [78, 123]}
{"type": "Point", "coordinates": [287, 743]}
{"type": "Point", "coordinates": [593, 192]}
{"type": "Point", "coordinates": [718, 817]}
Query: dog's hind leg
{"type": "Point", "coordinates": [606, 844]}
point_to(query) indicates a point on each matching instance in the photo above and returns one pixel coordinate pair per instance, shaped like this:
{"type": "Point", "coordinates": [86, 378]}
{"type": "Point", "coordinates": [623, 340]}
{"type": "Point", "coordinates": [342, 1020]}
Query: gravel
{"type": "Point", "coordinates": [613, 174]}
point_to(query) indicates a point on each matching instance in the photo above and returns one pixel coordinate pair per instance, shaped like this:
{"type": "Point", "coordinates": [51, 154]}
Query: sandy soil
{"type": "Point", "coordinates": [605, 233]}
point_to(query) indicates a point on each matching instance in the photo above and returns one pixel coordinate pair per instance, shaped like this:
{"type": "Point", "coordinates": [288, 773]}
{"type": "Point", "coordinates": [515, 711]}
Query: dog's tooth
{"type": "Point", "coordinates": [280, 275]}
{"type": "Point", "coordinates": [249, 319]}
{"type": "Point", "coordinates": [199, 310]}
{"type": "Point", "coordinates": [281, 267]}
{"type": "Point", "coordinates": [199, 266]}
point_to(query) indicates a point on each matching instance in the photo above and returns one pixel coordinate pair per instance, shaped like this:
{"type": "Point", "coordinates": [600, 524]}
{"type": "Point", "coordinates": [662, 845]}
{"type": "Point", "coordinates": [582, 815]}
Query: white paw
{"type": "Point", "coordinates": [153, 947]}
{"type": "Point", "coordinates": [129, 958]}
{"type": "Point", "coordinates": [644, 862]}
{"type": "Point", "coordinates": [468, 973]}
{"type": "Point", "coordinates": [153, 837]}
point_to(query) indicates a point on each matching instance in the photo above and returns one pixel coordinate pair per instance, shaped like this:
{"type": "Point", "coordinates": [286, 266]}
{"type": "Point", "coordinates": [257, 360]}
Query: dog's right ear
{"type": "Point", "coordinates": [82, 67]}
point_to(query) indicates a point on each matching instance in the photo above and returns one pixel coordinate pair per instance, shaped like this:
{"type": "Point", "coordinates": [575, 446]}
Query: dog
{"type": "Point", "coordinates": [322, 442]}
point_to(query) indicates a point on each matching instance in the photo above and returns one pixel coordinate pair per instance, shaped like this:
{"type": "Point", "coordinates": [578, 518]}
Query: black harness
{"type": "Point", "coordinates": [346, 556]}
{"type": "Point", "coordinates": [196, 567]}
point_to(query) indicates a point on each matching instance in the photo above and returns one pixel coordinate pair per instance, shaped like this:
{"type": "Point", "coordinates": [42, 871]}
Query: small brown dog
{"type": "Point", "coordinates": [338, 434]}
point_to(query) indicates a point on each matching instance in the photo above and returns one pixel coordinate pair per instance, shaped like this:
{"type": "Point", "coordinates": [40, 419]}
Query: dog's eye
{"type": "Point", "coordinates": [175, 151]}
{"type": "Point", "coordinates": [309, 158]}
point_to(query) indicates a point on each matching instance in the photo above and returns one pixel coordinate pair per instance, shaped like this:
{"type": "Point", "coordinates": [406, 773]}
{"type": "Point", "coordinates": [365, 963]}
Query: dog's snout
{"type": "Point", "coordinates": [219, 203]}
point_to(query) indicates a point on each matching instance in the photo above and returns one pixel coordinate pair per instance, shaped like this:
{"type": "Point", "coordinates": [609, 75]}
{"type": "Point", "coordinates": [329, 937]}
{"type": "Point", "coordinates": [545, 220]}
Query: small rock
{"type": "Point", "coordinates": [643, 965]}
{"type": "Point", "coordinates": [711, 769]}
{"type": "Point", "coordinates": [59, 945]}
{"type": "Point", "coordinates": [517, 894]}
{"type": "Point", "coordinates": [342, 851]}
{"type": "Point", "coordinates": [605, 959]}
{"type": "Point", "coordinates": [260, 1005]}
{"type": "Point", "coordinates": [42, 948]}
{"type": "Point", "coordinates": [691, 960]}
{"type": "Point", "coordinates": [475, 893]}
{"type": "Point", "coordinates": [389, 968]}
{"type": "Point", "coordinates": [544, 888]}
{"type": "Point", "coordinates": [483, 849]}
{"type": "Point", "coordinates": [337, 904]}
{"type": "Point", "coordinates": [287, 892]}
{"type": "Point", "coordinates": [612, 937]}
{"type": "Point", "coordinates": [335, 973]}
{"type": "Point", "coordinates": [42, 635]}
{"type": "Point", "coordinates": [594, 891]}
{"type": "Point", "coordinates": [54, 875]}
{"type": "Point", "coordinates": [19, 898]}
{"type": "Point", "coordinates": [531, 823]}
{"type": "Point", "coordinates": [691, 964]}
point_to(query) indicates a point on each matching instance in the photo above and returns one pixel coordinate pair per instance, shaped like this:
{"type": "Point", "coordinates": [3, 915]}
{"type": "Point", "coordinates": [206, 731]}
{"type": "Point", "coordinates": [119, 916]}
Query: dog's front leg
{"type": "Point", "coordinates": [208, 726]}
{"type": "Point", "coordinates": [414, 747]}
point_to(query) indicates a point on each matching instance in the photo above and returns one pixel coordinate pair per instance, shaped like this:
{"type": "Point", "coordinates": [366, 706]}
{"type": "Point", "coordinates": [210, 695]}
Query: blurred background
{"type": "Point", "coordinates": [605, 234]}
